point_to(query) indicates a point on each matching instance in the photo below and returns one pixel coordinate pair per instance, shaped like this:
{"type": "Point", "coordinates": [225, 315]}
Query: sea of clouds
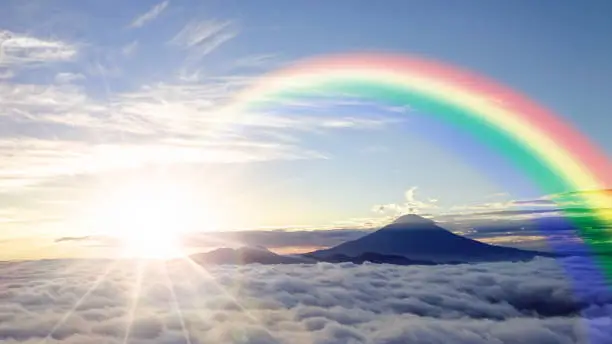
{"type": "Point", "coordinates": [87, 301]}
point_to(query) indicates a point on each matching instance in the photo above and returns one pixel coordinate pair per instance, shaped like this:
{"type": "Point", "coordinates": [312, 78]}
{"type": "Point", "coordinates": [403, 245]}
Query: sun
{"type": "Point", "coordinates": [149, 218]}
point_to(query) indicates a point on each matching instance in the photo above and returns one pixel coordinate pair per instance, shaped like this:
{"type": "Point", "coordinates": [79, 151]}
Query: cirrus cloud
{"type": "Point", "coordinates": [150, 15]}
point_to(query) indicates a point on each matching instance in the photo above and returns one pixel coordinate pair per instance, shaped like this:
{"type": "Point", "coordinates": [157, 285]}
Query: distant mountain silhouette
{"type": "Point", "coordinates": [259, 255]}
{"type": "Point", "coordinates": [245, 255]}
{"type": "Point", "coordinates": [419, 239]}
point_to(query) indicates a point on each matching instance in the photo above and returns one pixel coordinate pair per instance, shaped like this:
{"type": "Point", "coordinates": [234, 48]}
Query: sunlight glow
{"type": "Point", "coordinates": [149, 218]}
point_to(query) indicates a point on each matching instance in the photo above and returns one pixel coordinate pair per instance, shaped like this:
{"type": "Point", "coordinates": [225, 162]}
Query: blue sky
{"type": "Point", "coordinates": [96, 95]}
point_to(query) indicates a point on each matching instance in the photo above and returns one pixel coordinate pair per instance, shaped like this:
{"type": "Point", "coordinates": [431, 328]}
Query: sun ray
{"type": "Point", "coordinates": [140, 267]}
{"type": "Point", "coordinates": [176, 304]}
{"type": "Point", "coordinates": [194, 295]}
{"type": "Point", "coordinates": [91, 289]}
{"type": "Point", "coordinates": [202, 272]}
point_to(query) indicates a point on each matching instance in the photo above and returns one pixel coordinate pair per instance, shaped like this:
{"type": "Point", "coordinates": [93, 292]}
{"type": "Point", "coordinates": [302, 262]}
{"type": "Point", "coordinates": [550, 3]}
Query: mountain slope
{"type": "Point", "coordinates": [258, 255]}
{"type": "Point", "coordinates": [375, 258]}
{"type": "Point", "coordinates": [418, 238]}
{"type": "Point", "coordinates": [245, 255]}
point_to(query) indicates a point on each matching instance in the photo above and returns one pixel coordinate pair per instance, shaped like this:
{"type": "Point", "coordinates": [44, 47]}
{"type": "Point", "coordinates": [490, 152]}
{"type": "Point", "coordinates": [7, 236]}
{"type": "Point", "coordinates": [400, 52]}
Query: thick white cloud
{"type": "Point", "coordinates": [379, 304]}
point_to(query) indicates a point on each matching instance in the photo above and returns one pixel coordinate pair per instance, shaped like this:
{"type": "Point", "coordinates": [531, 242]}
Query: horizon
{"type": "Point", "coordinates": [288, 241]}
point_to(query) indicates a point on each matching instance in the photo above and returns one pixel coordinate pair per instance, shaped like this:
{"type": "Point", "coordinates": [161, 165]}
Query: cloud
{"type": "Point", "coordinates": [59, 129]}
{"type": "Point", "coordinates": [150, 15]}
{"type": "Point", "coordinates": [18, 50]}
{"type": "Point", "coordinates": [569, 204]}
{"type": "Point", "coordinates": [256, 61]}
{"type": "Point", "coordinates": [592, 198]}
{"type": "Point", "coordinates": [6, 74]}
{"type": "Point", "coordinates": [549, 203]}
{"type": "Point", "coordinates": [129, 49]}
{"type": "Point", "coordinates": [38, 160]}
{"type": "Point", "coordinates": [188, 77]}
{"type": "Point", "coordinates": [203, 37]}
{"type": "Point", "coordinates": [67, 78]}
{"type": "Point", "coordinates": [411, 205]}
{"type": "Point", "coordinates": [502, 214]}
{"type": "Point", "coordinates": [80, 238]}
{"type": "Point", "coordinates": [534, 203]}
{"type": "Point", "coordinates": [559, 201]}
{"type": "Point", "coordinates": [572, 202]}
{"type": "Point", "coordinates": [582, 193]}
{"type": "Point", "coordinates": [506, 303]}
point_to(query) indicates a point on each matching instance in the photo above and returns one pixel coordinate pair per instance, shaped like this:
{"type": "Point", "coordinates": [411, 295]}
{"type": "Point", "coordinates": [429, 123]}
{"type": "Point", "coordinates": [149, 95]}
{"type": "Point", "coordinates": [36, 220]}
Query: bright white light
{"type": "Point", "coordinates": [149, 218]}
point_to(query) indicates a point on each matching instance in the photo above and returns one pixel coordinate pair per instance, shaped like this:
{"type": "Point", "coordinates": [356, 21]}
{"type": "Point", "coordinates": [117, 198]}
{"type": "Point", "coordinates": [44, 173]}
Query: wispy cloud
{"type": "Point", "coordinates": [20, 49]}
{"type": "Point", "coordinates": [513, 215]}
{"type": "Point", "coordinates": [66, 78]}
{"type": "Point", "coordinates": [189, 76]}
{"type": "Point", "coordinates": [30, 161]}
{"type": "Point", "coordinates": [58, 129]}
{"type": "Point", "coordinates": [486, 206]}
{"type": "Point", "coordinates": [129, 49]}
{"type": "Point", "coordinates": [534, 203]}
{"type": "Point", "coordinates": [48, 104]}
{"type": "Point", "coordinates": [555, 201]}
{"type": "Point", "coordinates": [150, 15]}
{"type": "Point", "coordinates": [203, 37]}
{"type": "Point", "coordinates": [156, 106]}
{"type": "Point", "coordinates": [254, 61]}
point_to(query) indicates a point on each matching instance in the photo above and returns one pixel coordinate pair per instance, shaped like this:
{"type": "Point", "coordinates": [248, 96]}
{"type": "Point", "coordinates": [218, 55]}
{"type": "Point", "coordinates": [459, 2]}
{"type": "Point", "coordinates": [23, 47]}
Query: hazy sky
{"type": "Point", "coordinates": [99, 96]}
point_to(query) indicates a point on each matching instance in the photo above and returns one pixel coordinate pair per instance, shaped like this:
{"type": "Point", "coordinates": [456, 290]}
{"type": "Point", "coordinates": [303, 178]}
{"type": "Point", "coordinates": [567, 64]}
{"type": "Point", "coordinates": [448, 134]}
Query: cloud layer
{"type": "Point", "coordinates": [487, 303]}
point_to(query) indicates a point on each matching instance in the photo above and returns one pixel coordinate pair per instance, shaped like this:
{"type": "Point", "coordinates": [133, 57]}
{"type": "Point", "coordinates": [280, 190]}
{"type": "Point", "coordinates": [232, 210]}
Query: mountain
{"type": "Point", "coordinates": [409, 240]}
{"type": "Point", "coordinates": [260, 255]}
{"type": "Point", "coordinates": [420, 239]}
{"type": "Point", "coordinates": [370, 257]}
{"type": "Point", "coordinates": [245, 255]}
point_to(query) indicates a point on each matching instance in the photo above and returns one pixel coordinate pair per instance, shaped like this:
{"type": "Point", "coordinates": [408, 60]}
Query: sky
{"type": "Point", "coordinates": [109, 107]}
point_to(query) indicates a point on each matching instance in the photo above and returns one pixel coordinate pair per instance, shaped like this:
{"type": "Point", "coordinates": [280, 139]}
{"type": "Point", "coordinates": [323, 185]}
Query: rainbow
{"type": "Point", "coordinates": [558, 158]}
